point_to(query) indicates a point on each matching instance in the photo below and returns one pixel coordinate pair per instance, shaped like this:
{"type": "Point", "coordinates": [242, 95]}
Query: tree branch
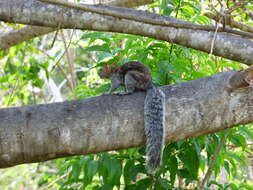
{"type": "Point", "coordinates": [14, 37]}
{"type": "Point", "coordinates": [43, 14]}
{"type": "Point", "coordinates": [42, 132]}
{"type": "Point", "coordinates": [129, 3]}
{"type": "Point", "coordinates": [228, 21]}
{"type": "Point", "coordinates": [141, 16]}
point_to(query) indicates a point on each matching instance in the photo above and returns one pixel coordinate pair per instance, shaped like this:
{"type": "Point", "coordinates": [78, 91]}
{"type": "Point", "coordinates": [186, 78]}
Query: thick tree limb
{"type": "Point", "coordinates": [42, 14]}
{"type": "Point", "coordinates": [141, 16]}
{"type": "Point", "coordinates": [129, 3]}
{"type": "Point", "coordinates": [42, 132]}
{"type": "Point", "coordinates": [14, 37]}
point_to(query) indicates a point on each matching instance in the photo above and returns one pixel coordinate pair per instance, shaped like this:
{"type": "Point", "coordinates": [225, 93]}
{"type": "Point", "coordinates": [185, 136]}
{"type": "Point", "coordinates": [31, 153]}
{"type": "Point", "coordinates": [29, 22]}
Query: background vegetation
{"type": "Point", "coordinates": [63, 66]}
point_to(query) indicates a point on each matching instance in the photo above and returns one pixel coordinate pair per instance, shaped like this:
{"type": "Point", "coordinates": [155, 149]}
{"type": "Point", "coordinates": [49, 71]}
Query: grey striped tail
{"type": "Point", "coordinates": [154, 118]}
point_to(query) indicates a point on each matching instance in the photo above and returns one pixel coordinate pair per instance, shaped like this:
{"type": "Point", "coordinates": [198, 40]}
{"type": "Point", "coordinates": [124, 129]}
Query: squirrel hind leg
{"type": "Point", "coordinates": [130, 83]}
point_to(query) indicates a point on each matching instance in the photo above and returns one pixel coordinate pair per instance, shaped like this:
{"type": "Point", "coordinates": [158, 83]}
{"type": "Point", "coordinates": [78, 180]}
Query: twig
{"type": "Point", "coordinates": [59, 66]}
{"type": "Point", "coordinates": [214, 158]}
{"type": "Point", "coordinates": [55, 181]}
{"type": "Point", "coordinates": [237, 6]}
{"type": "Point", "coordinates": [214, 37]}
{"type": "Point", "coordinates": [70, 60]}
{"type": "Point", "coordinates": [55, 36]}
{"type": "Point", "coordinates": [12, 91]}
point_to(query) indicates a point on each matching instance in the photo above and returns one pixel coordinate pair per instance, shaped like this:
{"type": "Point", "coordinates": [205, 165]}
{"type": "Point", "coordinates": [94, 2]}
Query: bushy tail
{"type": "Point", "coordinates": [154, 118]}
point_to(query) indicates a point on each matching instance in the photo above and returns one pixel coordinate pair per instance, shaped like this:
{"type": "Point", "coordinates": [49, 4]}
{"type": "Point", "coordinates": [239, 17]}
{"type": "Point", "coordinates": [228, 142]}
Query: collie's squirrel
{"type": "Point", "coordinates": [135, 76]}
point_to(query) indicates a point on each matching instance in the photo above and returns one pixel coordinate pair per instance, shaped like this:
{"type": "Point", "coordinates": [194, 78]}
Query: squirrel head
{"type": "Point", "coordinates": [107, 71]}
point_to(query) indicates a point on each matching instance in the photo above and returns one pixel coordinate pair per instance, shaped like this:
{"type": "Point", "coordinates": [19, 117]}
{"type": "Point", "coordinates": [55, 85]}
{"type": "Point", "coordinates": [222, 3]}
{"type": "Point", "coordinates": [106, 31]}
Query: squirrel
{"type": "Point", "coordinates": [135, 76]}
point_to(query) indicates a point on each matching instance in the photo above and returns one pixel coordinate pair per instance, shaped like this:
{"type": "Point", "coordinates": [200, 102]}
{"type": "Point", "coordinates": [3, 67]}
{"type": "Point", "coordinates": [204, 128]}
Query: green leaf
{"type": "Point", "coordinates": [75, 172]}
{"type": "Point", "coordinates": [131, 187]}
{"type": "Point", "coordinates": [144, 183]}
{"type": "Point", "coordinates": [230, 186]}
{"type": "Point", "coordinates": [173, 168]}
{"type": "Point", "coordinates": [104, 56]}
{"type": "Point", "coordinates": [214, 183]}
{"type": "Point", "coordinates": [238, 140]}
{"type": "Point", "coordinates": [227, 167]}
{"type": "Point", "coordinates": [114, 170]}
{"type": "Point", "coordinates": [38, 83]}
{"type": "Point", "coordinates": [245, 130]}
{"type": "Point", "coordinates": [190, 159]}
{"type": "Point", "coordinates": [245, 186]}
{"type": "Point", "coordinates": [129, 172]}
{"type": "Point", "coordinates": [162, 184]}
{"type": "Point", "coordinates": [97, 35]}
{"type": "Point", "coordinates": [106, 186]}
{"type": "Point", "coordinates": [236, 157]}
{"type": "Point", "coordinates": [104, 48]}
{"type": "Point", "coordinates": [90, 170]}
{"type": "Point", "coordinates": [184, 173]}
{"type": "Point", "coordinates": [104, 161]}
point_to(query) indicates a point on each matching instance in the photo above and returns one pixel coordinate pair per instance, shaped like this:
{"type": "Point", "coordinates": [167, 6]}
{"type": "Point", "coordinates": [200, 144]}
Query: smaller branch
{"type": "Point", "coordinates": [228, 21]}
{"type": "Point", "coordinates": [70, 60]}
{"type": "Point", "coordinates": [13, 89]}
{"type": "Point", "coordinates": [237, 6]}
{"type": "Point", "coordinates": [14, 37]}
{"type": "Point", "coordinates": [55, 181]}
{"type": "Point", "coordinates": [219, 1]}
{"type": "Point", "coordinates": [250, 14]}
{"type": "Point", "coordinates": [55, 37]}
{"type": "Point", "coordinates": [232, 146]}
{"type": "Point", "coordinates": [214, 37]}
{"type": "Point", "coordinates": [214, 158]}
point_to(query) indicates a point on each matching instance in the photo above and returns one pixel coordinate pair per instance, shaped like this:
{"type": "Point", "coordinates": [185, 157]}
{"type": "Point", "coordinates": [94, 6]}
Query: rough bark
{"type": "Point", "coordinates": [129, 3]}
{"type": "Point", "coordinates": [14, 37]}
{"type": "Point", "coordinates": [37, 13]}
{"type": "Point", "coordinates": [42, 132]}
{"type": "Point", "coordinates": [142, 16]}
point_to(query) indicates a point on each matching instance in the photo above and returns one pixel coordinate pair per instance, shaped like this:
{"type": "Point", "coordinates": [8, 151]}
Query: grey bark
{"type": "Point", "coordinates": [37, 13]}
{"type": "Point", "coordinates": [43, 132]}
{"type": "Point", "coordinates": [16, 36]}
{"type": "Point", "coordinates": [129, 3]}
